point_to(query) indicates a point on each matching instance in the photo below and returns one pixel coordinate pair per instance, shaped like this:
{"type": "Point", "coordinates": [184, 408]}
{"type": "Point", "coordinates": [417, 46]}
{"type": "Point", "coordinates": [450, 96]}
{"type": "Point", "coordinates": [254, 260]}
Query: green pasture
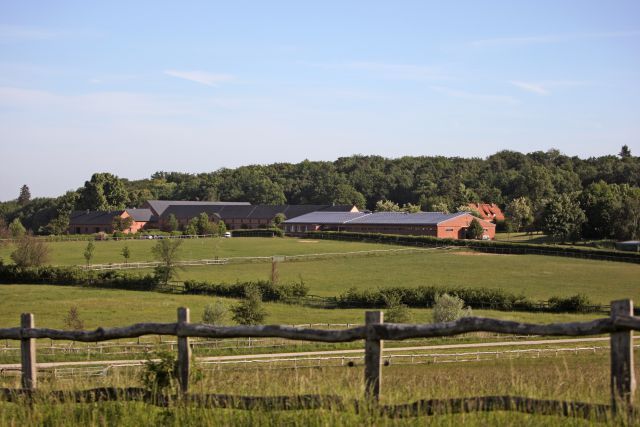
{"type": "Point", "coordinates": [110, 251]}
{"type": "Point", "coordinates": [538, 277]}
{"type": "Point", "coordinates": [105, 307]}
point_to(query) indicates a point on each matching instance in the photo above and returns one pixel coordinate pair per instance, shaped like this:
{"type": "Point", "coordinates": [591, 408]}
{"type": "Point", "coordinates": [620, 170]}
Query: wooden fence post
{"type": "Point", "coordinates": [28, 354]}
{"type": "Point", "coordinates": [623, 382]}
{"type": "Point", "coordinates": [372, 356]}
{"type": "Point", "coordinates": [184, 351]}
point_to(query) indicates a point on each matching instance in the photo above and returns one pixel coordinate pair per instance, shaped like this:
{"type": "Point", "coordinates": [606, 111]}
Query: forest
{"type": "Point", "coordinates": [567, 197]}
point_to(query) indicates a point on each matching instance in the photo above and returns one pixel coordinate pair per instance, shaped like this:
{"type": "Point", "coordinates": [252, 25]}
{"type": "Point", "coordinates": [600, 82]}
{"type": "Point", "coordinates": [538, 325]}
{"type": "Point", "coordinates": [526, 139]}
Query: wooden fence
{"type": "Point", "coordinates": [620, 325]}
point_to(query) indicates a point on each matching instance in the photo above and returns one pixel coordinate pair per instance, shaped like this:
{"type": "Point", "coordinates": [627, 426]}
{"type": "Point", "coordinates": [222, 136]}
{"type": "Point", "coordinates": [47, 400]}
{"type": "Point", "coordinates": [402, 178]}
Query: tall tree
{"type": "Point", "coordinates": [167, 251]}
{"type": "Point", "coordinates": [104, 192]}
{"type": "Point", "coordinates": [625, 152]}
{"type": "Point", "coordinates": [25, 195]}
{"type": "Point", "coordinates": [519, 213]}
{"type": "Point", "coordinates": [562, 218]}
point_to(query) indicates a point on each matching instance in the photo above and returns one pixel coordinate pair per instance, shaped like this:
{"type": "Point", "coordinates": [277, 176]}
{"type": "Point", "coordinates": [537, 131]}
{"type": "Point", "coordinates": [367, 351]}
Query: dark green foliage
{"type": "Point", "coordinates": [30, 252]}
{"type": "Point", "coordinates": [250, 310]}
{"type": "Point", "coordinates": [268, 291]}
{"type": "Point", "coordinates": [396, 311]}
{"type": "Point", "coordinates": [75, 276]}
{"type": "Point", "coordinates": [475, 230]}
{"type": "Point", "coordinates": [160, 372]}
{"type": "Point", "coordinates": [172, 223]}
{"type": "Point", "coordinates": [25, 195]}
{"type": "Point", "coordinates": [263, 232]}
{"type": "Point", "coordinates": [574, 304]}
{"type": "Point", "coordinates": [562, 218]}
{"type": "Point", "coordinates": [104, 192]}
{"type": "Point", "coordinates": [167, 252]}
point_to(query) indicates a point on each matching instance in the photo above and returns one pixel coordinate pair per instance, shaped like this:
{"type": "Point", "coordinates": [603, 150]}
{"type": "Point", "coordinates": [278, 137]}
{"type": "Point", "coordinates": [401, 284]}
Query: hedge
{"type": "Point", "coordinates": [258, 232]}
{"type": "Point", "coordinates": [75, 276]}
{"type": "Point", "coordinates": [269, 291]}
{"type": "Point", "coordinates": [478, 298]}
{"type": "Point", "coordinates": [481, 245]}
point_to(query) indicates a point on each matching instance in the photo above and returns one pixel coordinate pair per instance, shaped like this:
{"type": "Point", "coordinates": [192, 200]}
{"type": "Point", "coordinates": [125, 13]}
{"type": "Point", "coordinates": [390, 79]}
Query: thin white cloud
{"type": "Point", "coordinates": [531, 87]}
{"type": "Point", "coordinates": [202, 77]}
{"type": "Point", "coordinates": [551, 38]}
{"type": "Point", "coordinates": [472, 96]}
{"type": "Point", "coordinates": [544, 87]}
{"type": "Point", "coordinates": [387, 70]}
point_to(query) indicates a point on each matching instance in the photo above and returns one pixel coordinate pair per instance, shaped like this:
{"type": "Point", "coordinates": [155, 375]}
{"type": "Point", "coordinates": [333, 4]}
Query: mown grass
{"type": "Point", "coordinates": [72, 253]}
{"type": "Point", "coordinates": [538, 277]}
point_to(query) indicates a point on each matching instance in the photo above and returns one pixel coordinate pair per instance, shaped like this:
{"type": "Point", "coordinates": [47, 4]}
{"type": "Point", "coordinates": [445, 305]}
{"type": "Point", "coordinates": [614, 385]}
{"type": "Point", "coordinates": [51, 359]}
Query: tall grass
{"type": "Point", "coordinates": [577, 378]}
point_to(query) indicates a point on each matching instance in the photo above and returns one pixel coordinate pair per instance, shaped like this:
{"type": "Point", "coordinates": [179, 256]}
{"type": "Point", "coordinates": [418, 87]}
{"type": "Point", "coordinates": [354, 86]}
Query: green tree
{"type": "Point", "coordinates": [121, 224]}
{"type": "Point", "coordinates": [440, 207]}
{"type": "Point", "coordinates": [204, 225]}
{"type": "Point", "coordinates": [215, 314]}
{"type": "Point", "coordinates": [72, 320]}
{"type": "Point", "coordinates": [16, 229]}
{"type": "Point", "coordinates": [602, 204]}
{"type": "Point", "coordinates": [475, 230]}
{"type": "Point", "coordinates": [250, 310]}
{"type": "Point", "coordinates": [387, 206]}
{"type": "Point", "coordinates": [279, 219]}
{"type": "Point", "coordinates": [25, 195]}
{"type": "Point", "coordinates": [447, 308]}
{"type": "Point", "coordinates": [222, 228]}
{"type": "Point", "coordinates": [167, 251]}
{"type": "Point", "coordinates": [625, 152]}
{"type": "Point", "coordinates": [126, 253]}
{"type": "Point", "coordinates": [627, 223]}
{"type": "Point", "coordinates": [562, 218]}
{"type": "Point", "coordinates": [409, 208]}
{"type": "Point", "coordinates": [30, 252]}
{"type": "Point", "coordinates": [520, 213]}
{"type": "Point", "coordinates": [88, 252]}
{"type": "Point", "coordinates": [171, 223]}
{"type": "Point", "coordinates": [396, 311]}
{"type": "Point", "coordinates": [104, 192]}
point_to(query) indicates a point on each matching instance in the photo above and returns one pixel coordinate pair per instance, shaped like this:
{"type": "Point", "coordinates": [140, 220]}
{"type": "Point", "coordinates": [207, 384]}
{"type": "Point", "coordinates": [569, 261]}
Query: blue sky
{"type": "Point", "coordinates": [136, 87]}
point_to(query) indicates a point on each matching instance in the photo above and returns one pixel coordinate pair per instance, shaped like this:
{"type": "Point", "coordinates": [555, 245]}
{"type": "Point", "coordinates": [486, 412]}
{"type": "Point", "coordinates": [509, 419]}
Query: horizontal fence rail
{"type": "Point", "coordinates": [620, 325]}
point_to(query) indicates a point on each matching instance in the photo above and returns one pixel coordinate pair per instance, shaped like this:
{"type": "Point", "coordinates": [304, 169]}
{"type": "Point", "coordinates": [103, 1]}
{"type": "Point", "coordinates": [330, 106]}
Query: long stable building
{"type": "Point", "coordinates": [436, 224]}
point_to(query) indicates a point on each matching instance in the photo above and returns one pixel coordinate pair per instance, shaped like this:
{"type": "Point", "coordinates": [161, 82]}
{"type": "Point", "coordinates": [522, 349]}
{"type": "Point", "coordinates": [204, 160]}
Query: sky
{"type": "Point", "coordinates": [133, 88]}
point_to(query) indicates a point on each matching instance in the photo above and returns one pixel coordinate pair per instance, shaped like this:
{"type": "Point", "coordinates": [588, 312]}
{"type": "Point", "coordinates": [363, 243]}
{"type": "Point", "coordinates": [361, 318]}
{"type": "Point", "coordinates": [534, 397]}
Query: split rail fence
{"type": "Point", "coordinates": [620, 325]}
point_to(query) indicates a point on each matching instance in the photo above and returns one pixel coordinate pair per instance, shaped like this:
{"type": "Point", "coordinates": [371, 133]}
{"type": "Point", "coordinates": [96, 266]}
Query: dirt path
{"type": "Point", "coordinates": [132, 362]}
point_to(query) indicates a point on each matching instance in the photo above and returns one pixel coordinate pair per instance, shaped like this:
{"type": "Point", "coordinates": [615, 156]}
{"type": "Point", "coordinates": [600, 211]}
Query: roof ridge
{"type": "Point", "coordinates": [358, 217]}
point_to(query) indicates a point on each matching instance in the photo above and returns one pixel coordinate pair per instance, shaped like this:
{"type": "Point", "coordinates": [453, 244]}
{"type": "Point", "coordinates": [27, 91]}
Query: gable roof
{"type": "Point", "coordinates": [377, 218]}
{"type": "Point", "coordinates": [93, 217]}
{"type": "Point", "coordinates": [489, 211]}
{"type": "Point", "coordinates": [332, 218]}
{"type": "Point", "coordinates": [250, 211]}
{"type": "Point", "coordinates": [141, 215]}
{"type": "Point", "coordinates": [159, 206]}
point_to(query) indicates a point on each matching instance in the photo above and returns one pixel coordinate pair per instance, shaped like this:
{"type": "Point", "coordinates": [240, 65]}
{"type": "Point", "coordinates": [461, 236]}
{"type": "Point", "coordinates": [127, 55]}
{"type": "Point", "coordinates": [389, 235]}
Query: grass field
{"type": "Point", "coordinates": [577, 378]}
{"type": "Point", "coordinates": [538, 277]}
{"type": "Point", "coordinates": [71, 253]}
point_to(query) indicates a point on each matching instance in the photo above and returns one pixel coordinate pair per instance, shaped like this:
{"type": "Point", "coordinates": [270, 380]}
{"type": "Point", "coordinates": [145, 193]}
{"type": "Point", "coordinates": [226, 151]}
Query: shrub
{"type": "Point", "coordinates": [250, 310]}
{"type": "Point", "coordinates": [214, 314]}
{"type": "Point", "coordinates": [30, 252]}
{"type": "Point", "coordinates": [574, 304]}
{"type": "Point", "coordinates": [396, 312]}
{"type": "Point", "coordinates": [167, 252]}
{"type": "Point", "coordinates": [448, 308]}
{"type": "Point", "coordinates": [161, 374]}
{"type": "Point", "coordinates": [72, 319]}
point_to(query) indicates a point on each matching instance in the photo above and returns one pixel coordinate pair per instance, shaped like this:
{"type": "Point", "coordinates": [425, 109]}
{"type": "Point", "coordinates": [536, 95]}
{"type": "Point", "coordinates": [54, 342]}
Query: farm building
{"type": "Point", "coordinates": [89, 222]}
{"type": "Point", "coordinates": [155, 215]}
{"type": "Point", "coordinates": [436, 224]}
{"type": "Point", "coordinates": [246, 216]}
{"type": "Point", "coordinates": [488, 211]}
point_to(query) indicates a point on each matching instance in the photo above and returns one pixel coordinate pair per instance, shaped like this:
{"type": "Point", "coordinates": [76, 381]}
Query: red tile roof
{"type": "Point", "coordinates": [489, 211]}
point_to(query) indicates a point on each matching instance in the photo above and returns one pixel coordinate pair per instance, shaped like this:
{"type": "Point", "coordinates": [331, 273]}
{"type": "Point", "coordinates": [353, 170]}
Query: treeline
{"type": "Point", "coordinates": [568, 197]}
